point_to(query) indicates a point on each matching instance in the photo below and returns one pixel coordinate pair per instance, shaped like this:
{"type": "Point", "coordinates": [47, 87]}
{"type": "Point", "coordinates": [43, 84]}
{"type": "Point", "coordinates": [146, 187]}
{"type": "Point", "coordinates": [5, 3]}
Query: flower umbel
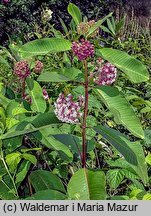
{"type": "Point", "coordinates": [83, 49]}
{"type": "Point", "coordinates": [21, 69]}
{"type": "Point", "coordinates": [106, 74]}
{"type": "Point", "coordinates": [67, 110]}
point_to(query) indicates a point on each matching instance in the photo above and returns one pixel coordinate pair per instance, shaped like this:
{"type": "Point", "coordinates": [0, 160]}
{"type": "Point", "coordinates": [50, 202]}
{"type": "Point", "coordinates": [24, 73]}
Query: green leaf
{"type": "Point", "coordinates": [115, 177]}
{"type": "Point", "coordinates": [22, 172]}
{"type": "Point", "coordinates": [116, 139]}
{"type": "Point", "coordinates": [110, 26]}
{"type": "Point", "coordinates": [32, 124]}
{"type": "Point", "coordinates": [46, 180]}
{"type": "Point", "coordinates": [13, 160]}
{"type": "Point", "coordinates": [87, 185]}
{"type": "Point", "coordinates": [2, 169]}
{"type": "Point", "coordinates": [38, 103]}
{"type": "Point", "coordinates": [141, 168]}
{"type": "Point", "coordinates": [120, 198]}
{"type": "Point", "coordinates": [61, 75]}
{"type": "Point", "coordinates": [52, 143]}
{"type": "Point", "coordinates": [121, 109]}
{"type": "Point", "coordinates": [98, 24]}
{"type": "Point", "coordinates": [133, 68]}
{"type": "Point", "coordinates": [64, 26]}
{"type": "Point", "coordinates": [148, 159]}
{"type": "Point", "coordinates": [5, 193]}
{"type": "Point", "coordinates": [147, 196]}
{"type": "Point", "coordinates": [47, 195]}
{"type": "Point", "coordinates": [74, 143]}
{"type": "Point", "coordinates": [30, 158]}
{"type": "Point", "coordinates": [18, 110]}
{"type": "Point", "coordinates": [44, 46]}
{"type": "Point", "coordinates": [75, 12]}
{"type": "Point", "coordinates": [12, 144]}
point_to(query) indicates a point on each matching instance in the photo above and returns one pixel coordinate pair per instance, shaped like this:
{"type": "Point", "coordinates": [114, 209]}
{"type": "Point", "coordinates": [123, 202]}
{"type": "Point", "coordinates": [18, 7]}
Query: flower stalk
{"type": "Point", "coordinates": [84, 124]}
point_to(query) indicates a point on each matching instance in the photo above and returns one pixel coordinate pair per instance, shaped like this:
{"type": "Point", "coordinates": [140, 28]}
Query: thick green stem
{"type": "Point", "coordinates": [84, 125]}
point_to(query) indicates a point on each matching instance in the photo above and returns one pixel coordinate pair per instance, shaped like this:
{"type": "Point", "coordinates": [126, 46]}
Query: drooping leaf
{"type": "Point", "coordinates": [61, 75]}
{"type": "Point", "coordinates": [46, 139]}
{"type": "Point", "coordinates": [121, 109]}
{"type": "Point", "coordinates": [38, 104]}
{"type": "Point", "coordinates": [74, 143]}
{"type": "Point", "coordinates": [116, 139]}
{"type": "Point", "coordinates": [132, 151]}
{"type": "Point", "coordinates": [141, 168]}
{"type": "Point", "coordinates": [46, 180]}
{"type": "Point", "coordinates": [133, 68]}
{"type": "Point", "coordinates": [30, 158]}
{"type": "Point", "coordinates": [75, 12]}
{"type": "Point", "coordinates": [91, 185]}
{"type": "Point", "coordinates": [31, 124]}
{"type": "Point", "coordinates": [44, 46]}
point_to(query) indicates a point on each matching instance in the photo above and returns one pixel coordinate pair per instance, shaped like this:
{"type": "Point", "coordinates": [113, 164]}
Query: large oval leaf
{"type": "Point", "coordinates": [61, 75]}
{"type": "Point", "coordinates": [132, 151]}
{"type": "Point", "coordinates": [46, 180]}
{"type": "Point", "coordinates": [75, 12]}
{"type": "Point", "coordinates": [87, 185]}
{"type": "Point", "coordinates": [134, 69]}
{"type": "Point", "coordinates": [38, 103]}
{"type": "Point", "coordinates": [116, 139]}
{"type": "Point", "coordinates": [121, 109]}
{"type": "Point", "coordinates": [31, 124]}
{"type": "Point", "coordinates": [44, 46]}
{"type": "Point", "coordinates": [49, 141]}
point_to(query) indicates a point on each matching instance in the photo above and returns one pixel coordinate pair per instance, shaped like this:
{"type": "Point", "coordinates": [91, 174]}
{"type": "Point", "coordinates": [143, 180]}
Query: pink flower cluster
{"type": "Point", "coordinates": [38, 67]}
{"type": "Point", "coordinates": [83, 49]}
{"type": "Point", "coordinates": [5, 1]}
{"type": "Point", "coordinates": [67, 110]}
{"type": "Point", "coordinates": [21, 69]}
{"type": "Point", "coordinates": [45, 94]}
{"type": "Point", "coordinates": [106, 74]}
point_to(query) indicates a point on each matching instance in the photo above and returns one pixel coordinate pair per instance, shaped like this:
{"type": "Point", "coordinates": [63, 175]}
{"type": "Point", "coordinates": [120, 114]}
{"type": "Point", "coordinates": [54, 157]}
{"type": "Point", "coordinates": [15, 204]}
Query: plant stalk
{"type": "Point", "coordinates": [84, 125]}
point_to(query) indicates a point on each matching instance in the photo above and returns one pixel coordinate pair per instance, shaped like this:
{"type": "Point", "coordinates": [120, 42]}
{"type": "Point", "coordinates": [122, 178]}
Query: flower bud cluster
{"type": "Point", "coordinates": [38, 67]}
{"type": "Point", "coordinates": [84, 27]}
{"type": "Point", "coordinates": [67, 110]}
{"type": "Point", "coordinates": [83, 49]}
{"type": "Point", "coordinates": [21, 69]}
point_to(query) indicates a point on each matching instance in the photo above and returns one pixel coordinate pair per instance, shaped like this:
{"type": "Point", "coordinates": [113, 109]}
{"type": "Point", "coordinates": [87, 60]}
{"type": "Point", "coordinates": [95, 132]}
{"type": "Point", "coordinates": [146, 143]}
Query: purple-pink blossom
{"type": "Point", "coordinates": [106, 74]}
{"type": "Point", "coordinates": [21, 69]}
{"type": "Point", "coordinates": [68, 110]}
{"type": "Point", "coordinates": [5, 1]}
{"type": "Point", "coordinates": [83, 49]}
{"type": "Point", "coordinates": [45, 94]}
